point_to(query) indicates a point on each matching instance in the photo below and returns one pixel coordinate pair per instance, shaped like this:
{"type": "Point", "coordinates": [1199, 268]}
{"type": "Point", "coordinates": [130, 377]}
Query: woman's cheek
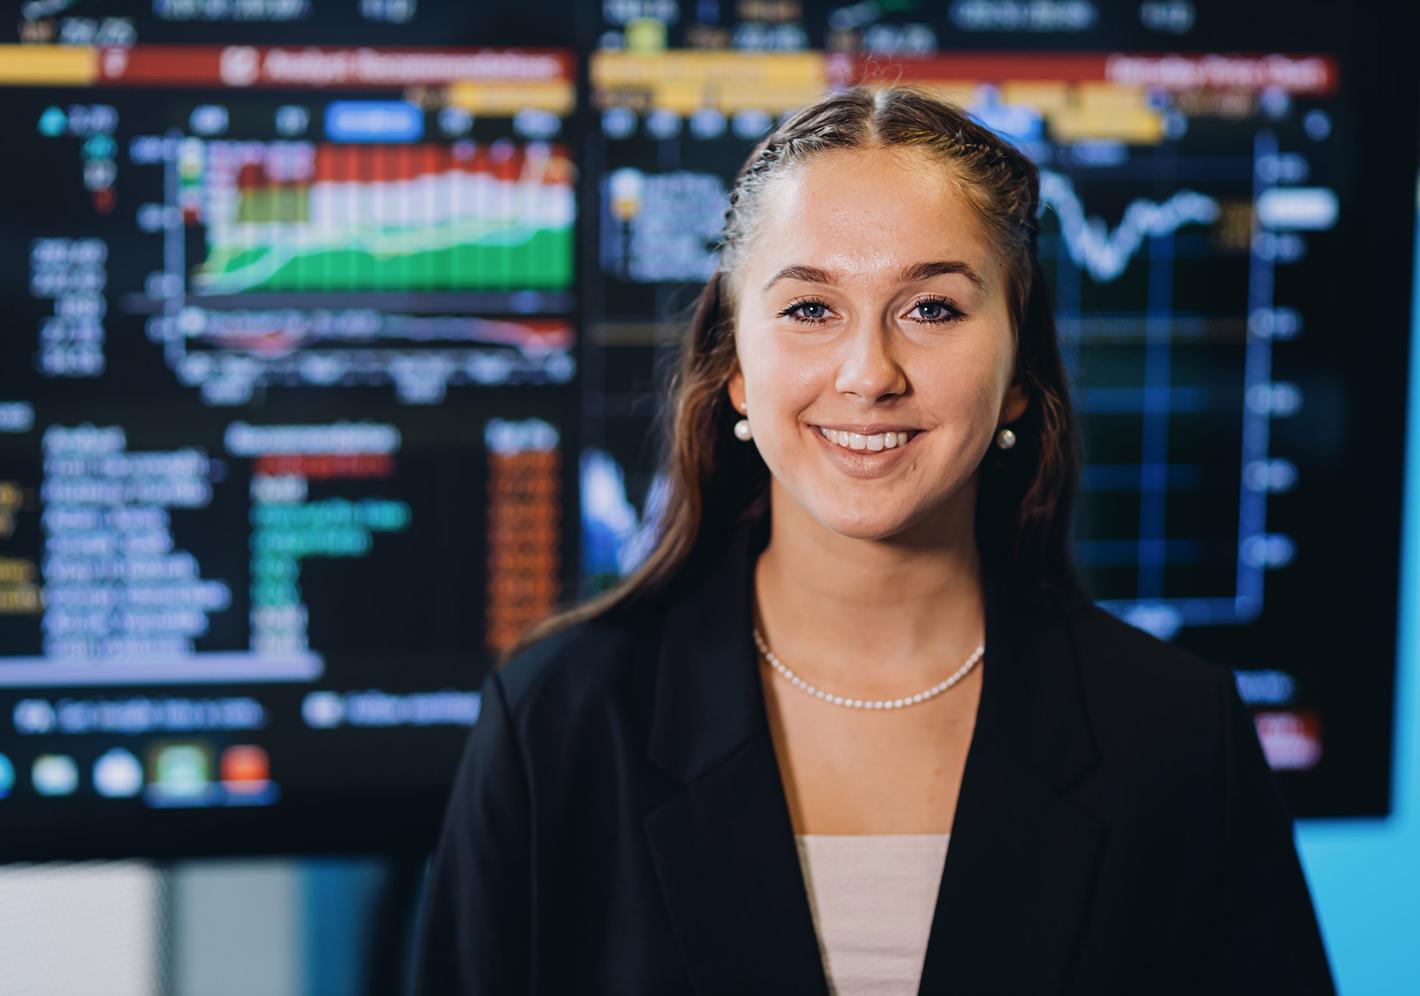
{"type": "Point", "coordinates": [790, 385]}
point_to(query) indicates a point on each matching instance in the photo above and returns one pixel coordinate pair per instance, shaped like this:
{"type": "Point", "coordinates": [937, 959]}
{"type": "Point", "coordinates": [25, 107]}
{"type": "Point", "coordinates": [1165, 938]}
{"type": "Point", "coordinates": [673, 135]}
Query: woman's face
{"type": "Point", "coordinates": [874, 341]}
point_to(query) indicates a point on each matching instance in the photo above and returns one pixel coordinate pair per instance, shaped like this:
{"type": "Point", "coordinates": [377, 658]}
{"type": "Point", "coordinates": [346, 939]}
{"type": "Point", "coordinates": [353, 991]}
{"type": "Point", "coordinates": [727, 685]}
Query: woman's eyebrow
{"type": "Point", "coordinates": [808, 274]}
{"type": "Point", "coordinates": [922, 271]}
{"type": "Point", "coordinates": [910, 274]}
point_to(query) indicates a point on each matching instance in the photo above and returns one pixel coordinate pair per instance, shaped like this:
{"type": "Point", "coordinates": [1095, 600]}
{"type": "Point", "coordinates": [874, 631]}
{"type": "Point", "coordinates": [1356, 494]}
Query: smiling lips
{"type": "Point", "coordinates": [887, 439]}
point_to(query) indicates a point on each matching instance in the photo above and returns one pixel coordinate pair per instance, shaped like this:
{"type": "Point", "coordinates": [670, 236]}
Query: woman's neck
{"type": "Point", "coordinates": [870, 613]}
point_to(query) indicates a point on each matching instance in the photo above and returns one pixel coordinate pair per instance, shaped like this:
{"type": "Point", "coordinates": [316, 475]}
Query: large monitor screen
{"type": "Point", "coordinates": [334, 343]}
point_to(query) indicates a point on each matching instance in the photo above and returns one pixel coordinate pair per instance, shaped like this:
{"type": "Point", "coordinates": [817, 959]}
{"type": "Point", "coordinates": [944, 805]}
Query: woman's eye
{"type": "Point", "coordinates": [936, 310]}
{"type": "Point", "coordinates": [808, 312]}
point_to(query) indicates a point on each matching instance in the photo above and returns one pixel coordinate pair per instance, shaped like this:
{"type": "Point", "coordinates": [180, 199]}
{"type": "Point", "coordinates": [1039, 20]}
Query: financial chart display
{"type": "Point", "coordinates": [288, 402]}
{"type": "Point", "coordinates": [335, 340]}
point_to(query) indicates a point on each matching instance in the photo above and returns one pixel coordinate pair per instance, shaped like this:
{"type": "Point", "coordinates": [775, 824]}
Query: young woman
{"type": "Point", "coordinates": [853, 726]}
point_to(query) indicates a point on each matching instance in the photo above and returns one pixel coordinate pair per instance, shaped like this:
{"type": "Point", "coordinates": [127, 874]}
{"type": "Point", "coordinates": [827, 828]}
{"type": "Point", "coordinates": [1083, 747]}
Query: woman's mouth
{"type": "Point", "coordinates": [872, 440]}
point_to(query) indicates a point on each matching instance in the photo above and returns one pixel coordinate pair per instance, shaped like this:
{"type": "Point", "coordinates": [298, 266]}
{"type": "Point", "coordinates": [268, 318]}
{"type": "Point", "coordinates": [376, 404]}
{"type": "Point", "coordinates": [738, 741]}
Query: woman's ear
{"type": "Point", "coordinates": [736, 390]}
{"type": "Point", "coordinates": [1015, 404]}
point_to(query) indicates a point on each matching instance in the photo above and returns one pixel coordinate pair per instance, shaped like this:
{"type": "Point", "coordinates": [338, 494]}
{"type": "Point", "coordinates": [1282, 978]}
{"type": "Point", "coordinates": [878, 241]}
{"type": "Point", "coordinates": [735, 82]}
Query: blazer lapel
{"type": "Point", "coordinates": [724, 847]}
{"type": "Point", "coordinates": [1021, 856]}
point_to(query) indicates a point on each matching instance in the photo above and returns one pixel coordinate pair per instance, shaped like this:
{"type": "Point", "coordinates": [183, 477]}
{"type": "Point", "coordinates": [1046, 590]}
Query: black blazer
{"type": "Point", "coordinates": [618, 823]}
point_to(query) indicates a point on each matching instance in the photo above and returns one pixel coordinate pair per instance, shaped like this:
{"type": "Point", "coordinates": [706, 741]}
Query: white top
{"type": "Point", "coordinates": [872, 898]}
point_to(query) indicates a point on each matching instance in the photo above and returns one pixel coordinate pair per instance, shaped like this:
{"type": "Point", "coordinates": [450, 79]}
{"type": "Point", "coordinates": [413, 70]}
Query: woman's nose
{"type": "Point", "coordinates": [868, 367]}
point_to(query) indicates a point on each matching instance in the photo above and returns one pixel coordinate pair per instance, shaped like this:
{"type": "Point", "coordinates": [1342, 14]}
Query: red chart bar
{"type": "Point", "coordinates": [1316, 74]}
{"type": "Point", "coordinates": [319, 68]}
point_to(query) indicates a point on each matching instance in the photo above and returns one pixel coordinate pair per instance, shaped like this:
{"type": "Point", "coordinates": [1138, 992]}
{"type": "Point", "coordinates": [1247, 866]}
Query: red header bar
{"type": "Point", "coordinates": [1296, 74]}
{"type": "Point", "coordinates": [315, 67]}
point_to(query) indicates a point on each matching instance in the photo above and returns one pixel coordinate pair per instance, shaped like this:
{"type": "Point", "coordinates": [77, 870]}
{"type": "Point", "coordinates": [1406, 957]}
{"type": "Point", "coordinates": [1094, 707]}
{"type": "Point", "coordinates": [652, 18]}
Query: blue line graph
{"type": "Point", "coordinates": [1089, 246]}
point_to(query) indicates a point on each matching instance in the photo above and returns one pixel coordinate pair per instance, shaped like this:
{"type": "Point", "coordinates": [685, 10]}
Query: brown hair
{"type": "Point", "coordinates": [714, 482]}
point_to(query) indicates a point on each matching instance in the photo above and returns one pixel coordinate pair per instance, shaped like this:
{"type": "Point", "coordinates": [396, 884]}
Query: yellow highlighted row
{"type": "Point", "coordinates": [496, 99]}
{"type": "Point", "coordinates": [684, 82]}
{"type": "Point", "coordinates": [48, 65]}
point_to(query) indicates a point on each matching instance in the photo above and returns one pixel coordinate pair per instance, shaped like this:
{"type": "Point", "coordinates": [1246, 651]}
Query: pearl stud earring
{"type": "Point", "coordinates": [742, 430]}
{"type": "Point", "coordinates": [1005, 439]}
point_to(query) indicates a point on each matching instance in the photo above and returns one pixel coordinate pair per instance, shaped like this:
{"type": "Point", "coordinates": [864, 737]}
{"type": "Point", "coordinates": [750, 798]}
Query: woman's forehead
{"type": "Point", "coordinates": [866, 215]}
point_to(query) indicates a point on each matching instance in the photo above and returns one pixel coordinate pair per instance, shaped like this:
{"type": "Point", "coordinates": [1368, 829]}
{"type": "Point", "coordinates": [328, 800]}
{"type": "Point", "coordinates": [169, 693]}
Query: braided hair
{"type": "Point", "coordinates": [999, 181]}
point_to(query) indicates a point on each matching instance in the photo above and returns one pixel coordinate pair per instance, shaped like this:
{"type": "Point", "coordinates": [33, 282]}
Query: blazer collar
{"type": "Point", "coordinates": [1021, 853]}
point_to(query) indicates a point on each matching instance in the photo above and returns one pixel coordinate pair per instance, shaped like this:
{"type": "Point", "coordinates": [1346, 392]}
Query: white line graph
{"type": "Point", "coordinates": [1105, 254]}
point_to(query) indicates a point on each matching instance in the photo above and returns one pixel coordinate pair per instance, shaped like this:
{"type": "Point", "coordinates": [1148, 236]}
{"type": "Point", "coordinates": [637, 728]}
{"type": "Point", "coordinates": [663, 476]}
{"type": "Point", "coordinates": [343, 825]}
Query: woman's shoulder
{"type": "Point", "coordinates": [1111, 644]}
{"type": "Point", "coordinates": [1136, 681]}
{"type": "Point", "coordinates": [579, 665]}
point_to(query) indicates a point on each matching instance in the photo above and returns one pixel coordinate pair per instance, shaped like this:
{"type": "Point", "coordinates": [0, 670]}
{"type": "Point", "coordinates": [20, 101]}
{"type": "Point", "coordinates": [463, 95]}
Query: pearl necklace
{"type": "Point", "coordinates": [842, 700]}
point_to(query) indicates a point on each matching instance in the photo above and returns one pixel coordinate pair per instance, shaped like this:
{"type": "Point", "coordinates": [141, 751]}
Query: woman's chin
{"type": "Point", "coordinates": [878, 524]}
{"type": "Point", "coordinates": [870, 513]}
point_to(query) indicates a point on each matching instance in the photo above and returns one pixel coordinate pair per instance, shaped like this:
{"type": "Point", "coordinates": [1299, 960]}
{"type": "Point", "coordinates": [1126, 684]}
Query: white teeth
{"type": "Point", "coordinates": [858, 441]}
